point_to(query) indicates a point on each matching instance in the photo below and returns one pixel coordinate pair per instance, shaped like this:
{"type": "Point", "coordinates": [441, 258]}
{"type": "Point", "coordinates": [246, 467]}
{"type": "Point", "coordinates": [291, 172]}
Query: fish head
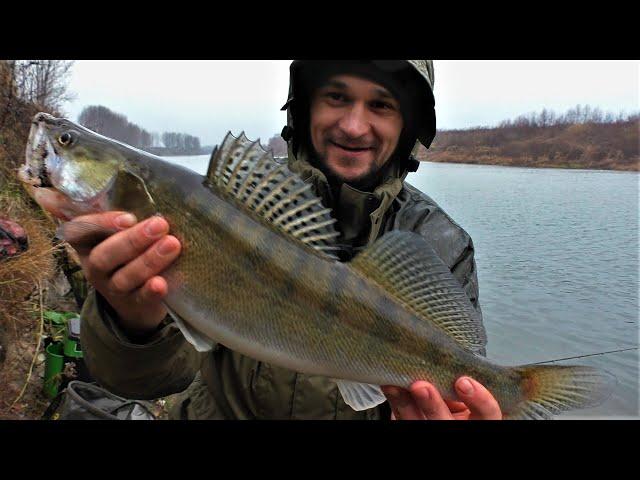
{"type": "Point", "coordinates": [68, 168]}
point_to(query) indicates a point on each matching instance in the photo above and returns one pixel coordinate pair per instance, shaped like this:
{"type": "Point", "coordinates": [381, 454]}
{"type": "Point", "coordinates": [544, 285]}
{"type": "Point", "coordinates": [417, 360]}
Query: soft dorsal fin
{"type": "Point", "coordinates": [410, 270]}
{"type": "Point", "coordinates": [248, 173]}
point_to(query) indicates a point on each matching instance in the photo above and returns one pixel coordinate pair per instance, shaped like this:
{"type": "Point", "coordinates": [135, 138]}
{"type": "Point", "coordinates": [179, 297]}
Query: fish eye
{"type": "Point", "coordinates": [65, 139]}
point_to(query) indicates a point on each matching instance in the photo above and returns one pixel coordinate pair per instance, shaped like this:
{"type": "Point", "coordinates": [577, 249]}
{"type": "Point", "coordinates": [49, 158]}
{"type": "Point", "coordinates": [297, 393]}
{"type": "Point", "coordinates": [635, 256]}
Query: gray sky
{"type": "Point", "coordinates": [208, 98]}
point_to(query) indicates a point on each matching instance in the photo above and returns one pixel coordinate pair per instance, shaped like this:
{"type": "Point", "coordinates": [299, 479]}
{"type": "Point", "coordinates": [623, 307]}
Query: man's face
{"type": "Point", "coordinates": [355, 126]}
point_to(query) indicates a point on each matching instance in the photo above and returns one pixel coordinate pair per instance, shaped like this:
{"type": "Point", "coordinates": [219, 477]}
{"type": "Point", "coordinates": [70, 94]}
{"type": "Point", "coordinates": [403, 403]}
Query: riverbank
{"type": "Point", "coordinates": [30, 282]}
{"type": "Point", "coordinates": [27, 290]}
{"type": "Point", "coordinates": [526, 162]}
{"type": "Point", "coordinates": [590, 146]}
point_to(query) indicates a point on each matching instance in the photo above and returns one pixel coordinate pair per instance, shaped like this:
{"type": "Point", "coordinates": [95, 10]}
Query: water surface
{"type": "Point", "coordinates": [557, 257]}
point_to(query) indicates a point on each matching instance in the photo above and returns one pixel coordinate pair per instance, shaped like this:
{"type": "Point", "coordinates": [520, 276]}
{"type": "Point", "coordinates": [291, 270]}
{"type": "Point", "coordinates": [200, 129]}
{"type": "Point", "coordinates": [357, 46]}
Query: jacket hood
{"type": "Point", "coordinates": [360, 213]}
{"type": "Point", "coordinates": [416, 83]}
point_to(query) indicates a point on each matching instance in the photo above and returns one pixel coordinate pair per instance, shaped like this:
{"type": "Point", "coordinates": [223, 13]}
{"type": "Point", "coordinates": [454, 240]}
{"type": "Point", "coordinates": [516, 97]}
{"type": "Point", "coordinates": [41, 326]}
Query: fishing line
{"type": "Point", "coordinates": [583, 356]}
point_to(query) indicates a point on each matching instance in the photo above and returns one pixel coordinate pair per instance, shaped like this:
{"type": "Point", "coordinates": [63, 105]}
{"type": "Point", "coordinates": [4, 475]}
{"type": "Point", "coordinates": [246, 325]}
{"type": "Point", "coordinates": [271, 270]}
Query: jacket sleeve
{"type": "Point", "coordinates": [164, 364]}
{"type": "Point", "coordinates": [454, 246]}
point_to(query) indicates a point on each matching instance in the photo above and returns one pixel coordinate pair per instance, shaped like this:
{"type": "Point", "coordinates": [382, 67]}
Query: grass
{"type": "Point", "coordinates": [21, 300]}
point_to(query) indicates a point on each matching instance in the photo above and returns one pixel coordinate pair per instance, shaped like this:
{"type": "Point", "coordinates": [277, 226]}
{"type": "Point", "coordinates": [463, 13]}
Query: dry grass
{"type": "Point", "coordinates": [20, 273]}
{"type": "Point", "coordinates": [21, 302]}
{"type": "Point", "coordinates": [26, 281]}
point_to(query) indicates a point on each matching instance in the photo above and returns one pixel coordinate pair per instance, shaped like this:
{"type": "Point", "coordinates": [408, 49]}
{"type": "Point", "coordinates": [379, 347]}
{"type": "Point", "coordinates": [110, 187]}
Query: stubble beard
{"type": "Point", "coordinates": [364, 181]}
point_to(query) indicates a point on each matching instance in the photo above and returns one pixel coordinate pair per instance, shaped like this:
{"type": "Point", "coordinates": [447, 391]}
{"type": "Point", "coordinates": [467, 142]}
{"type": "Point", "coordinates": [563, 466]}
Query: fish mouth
{"type": "Point", "coordinates": [43, 174]}
{"type": "Point", "coordinates": [39, 148]}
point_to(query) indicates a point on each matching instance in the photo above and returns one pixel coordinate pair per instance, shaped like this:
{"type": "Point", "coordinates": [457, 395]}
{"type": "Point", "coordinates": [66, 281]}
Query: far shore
{"type": "Point", "coordinates": [510, 163]}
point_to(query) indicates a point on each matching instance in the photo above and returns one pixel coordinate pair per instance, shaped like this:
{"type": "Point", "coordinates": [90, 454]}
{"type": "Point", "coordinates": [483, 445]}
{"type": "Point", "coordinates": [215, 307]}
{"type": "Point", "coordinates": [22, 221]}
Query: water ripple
{"type": "Point", "coordinates": [557, 256]}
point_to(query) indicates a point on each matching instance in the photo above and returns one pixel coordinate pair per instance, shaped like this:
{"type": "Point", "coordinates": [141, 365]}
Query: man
{"type": "Point", "coordinates": [351, 130]}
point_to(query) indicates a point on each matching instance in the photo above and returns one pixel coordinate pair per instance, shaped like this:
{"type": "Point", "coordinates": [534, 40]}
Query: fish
{"type": "Point", "coordinates": [259, 273]}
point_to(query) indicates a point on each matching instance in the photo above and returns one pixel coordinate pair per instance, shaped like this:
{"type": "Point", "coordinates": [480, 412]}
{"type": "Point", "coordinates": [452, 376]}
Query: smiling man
{"type": "Point", "coordinates": [351, 130]}
{"type": "Point", "coordinates": [356, 126]}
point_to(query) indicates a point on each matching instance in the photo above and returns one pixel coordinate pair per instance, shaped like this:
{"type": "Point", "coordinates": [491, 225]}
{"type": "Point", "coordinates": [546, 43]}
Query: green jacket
{"type": "Point", "coordinates": [224, 384]}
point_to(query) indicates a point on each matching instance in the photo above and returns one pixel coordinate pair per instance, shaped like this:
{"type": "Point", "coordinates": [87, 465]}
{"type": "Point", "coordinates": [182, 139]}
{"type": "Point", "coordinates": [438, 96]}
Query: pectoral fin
{"type": "Point", "coordinates": [129, 193]}
{"type": "Point", "coordinates": [194, 337]}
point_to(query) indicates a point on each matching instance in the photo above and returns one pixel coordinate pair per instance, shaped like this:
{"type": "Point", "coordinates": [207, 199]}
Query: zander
{"type": "Point", "coordinates": [257, 274]}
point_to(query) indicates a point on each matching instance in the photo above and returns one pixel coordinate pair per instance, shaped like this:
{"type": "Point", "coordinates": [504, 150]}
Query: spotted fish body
{"type": "Point", "coordinates": [257, 274]}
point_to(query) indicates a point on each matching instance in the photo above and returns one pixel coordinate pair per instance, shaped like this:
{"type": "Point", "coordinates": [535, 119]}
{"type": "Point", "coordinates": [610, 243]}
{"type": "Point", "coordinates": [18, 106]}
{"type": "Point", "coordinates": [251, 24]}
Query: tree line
{"type": "Point", "coordinates": [582, 137]}
{"type": "Point", "coordinates": [580, 114]}
{"type": "Point", "coordinates": [181, 142]}
{"type": "Point", "coordinates": [102, 120]}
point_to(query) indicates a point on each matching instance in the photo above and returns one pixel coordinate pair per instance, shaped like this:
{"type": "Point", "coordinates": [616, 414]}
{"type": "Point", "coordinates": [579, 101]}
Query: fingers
{"type": "Point", "coordinates": [422, 401]}
{"type": "Point", "coordinates": [124, 267]}
{"type": "Point", "coordinates": [481, 403]}
{"type": "Point", "coordinates": [124, 246]}
{"type": "Point", "coordinates": [115, 219]}
{"type": "Point", "coordinates": [147, 309]}
{"type": "Point", "coordinates": [153, 261]}
{"type": "Point", "coordinates": [154, 290]}
{"type": "Point", "coordinates": [402, 404]}
{"type": "Point", "coordinates": [456, 408]}
{"type": "Point", "coordinates": [430, 402]}
{"type": "Point", "coordinates": [87, 231]}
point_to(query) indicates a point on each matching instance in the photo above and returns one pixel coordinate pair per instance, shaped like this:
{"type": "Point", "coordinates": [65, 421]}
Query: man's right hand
{"type": "Point", "coordinates": [125, 267]}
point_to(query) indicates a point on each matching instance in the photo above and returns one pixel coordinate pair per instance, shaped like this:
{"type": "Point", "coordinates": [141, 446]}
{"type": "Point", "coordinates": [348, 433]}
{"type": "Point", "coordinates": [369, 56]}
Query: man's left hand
{"type": "Point", "coordinates": [422, 401]}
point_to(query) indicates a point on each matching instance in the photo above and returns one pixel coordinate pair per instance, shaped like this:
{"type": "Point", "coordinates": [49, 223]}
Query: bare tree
{"type": "Point", "coordinates": [278, 146]}
{"type": "Point", "coordinates": [43, 82]}
{"type": "Point", "coordinates": [115, 125]}
{"type": "Point", "coordinates": [7, 89]}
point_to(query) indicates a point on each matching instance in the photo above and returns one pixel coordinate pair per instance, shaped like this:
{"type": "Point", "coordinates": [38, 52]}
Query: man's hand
{"type": "Point", "coordinates": [124, 268]}
{"type": "Point", "coordinates": [422, 401]}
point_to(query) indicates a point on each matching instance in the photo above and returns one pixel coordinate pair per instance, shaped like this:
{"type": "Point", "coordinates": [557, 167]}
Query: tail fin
{"type": "Point", "coordinates": [553, 389]}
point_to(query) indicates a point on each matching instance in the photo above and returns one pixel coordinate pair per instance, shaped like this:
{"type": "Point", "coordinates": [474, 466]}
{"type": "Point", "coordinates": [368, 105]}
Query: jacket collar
{"type": "Point", "coordinates": [359, 213]}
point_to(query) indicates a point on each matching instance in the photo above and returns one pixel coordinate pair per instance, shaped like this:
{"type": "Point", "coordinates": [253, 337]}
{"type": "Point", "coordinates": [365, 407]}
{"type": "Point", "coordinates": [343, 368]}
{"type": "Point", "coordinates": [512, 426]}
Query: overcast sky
{"type": "Point", "coordinates": [208, 98]}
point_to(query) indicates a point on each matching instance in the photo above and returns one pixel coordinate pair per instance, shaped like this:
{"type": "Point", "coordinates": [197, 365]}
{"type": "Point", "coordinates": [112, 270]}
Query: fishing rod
{"type": "Point", "coordinates": [583, 356]}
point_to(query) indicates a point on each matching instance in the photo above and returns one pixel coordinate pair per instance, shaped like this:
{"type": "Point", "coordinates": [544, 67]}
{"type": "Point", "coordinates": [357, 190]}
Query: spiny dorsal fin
{"type": "Point", "coordinates": [408, 268]}
{"type": "Point", "coordinates": [247, 172]}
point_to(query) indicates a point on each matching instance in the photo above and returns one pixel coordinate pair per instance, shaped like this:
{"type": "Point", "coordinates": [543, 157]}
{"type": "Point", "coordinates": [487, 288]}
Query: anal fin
{"type": "Point", "coordinates": [360, 396]}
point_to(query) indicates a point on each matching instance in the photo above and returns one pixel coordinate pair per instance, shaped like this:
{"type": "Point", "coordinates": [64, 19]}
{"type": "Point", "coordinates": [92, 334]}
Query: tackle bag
{"type": "Point", "coordinates": [88, 401]}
